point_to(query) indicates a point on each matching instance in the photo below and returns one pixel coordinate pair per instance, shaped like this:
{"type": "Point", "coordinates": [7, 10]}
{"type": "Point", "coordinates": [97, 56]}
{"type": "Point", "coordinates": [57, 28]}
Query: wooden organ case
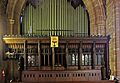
{"type": "Point", "coordinates": [75, 58]}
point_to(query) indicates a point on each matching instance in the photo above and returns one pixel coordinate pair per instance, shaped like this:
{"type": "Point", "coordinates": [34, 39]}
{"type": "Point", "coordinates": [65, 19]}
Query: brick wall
{"type": "Point", "coordinates": [113, 29]}
{"type": "Point", "coordinates": [117, 31]}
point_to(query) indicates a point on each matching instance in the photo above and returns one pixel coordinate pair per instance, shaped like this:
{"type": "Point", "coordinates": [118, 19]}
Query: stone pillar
{"type": "Point", "coordinates": [117, 33]}
{"type": "Point", "coordinates": [2, 32]}
{"type": "Point", "coordinates": [11, 21]}
{"type": "Point", "coordinates": [110, 30]}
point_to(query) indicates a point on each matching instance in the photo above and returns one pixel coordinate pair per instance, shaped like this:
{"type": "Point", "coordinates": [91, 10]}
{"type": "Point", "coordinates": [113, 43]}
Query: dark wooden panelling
{"type": "Point", "coordinates": [60, 76]}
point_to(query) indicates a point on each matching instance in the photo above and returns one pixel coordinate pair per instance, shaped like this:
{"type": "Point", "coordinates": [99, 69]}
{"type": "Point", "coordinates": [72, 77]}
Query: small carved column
{"type": "Point", "coordinates": [11, 25]}
{"type": "Point", "coordinates": [44, 56]}
{"type": "Point", "coordinates": [48, 56]}
{"type": "Point", "coordinates": [66, 55]}
{"type": "Point", "coordinates": [80, 55]}
{"type": "Point", "coordinates": [53, 57]}
{"type": "Point", "coordinates": [94, 56]}
{"type": "Point", "coordinates": [39, 57]}
{"type": "Point", "coordinates": [25, 57]}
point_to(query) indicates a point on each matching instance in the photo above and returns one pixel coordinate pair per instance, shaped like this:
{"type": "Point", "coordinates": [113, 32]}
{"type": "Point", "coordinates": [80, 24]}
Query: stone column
{"type": "Point", "coordinates": [2, 32]}
{"type": "Point", "coordinates": [11, 21]}
{"type": "Point", "coordinates": [117, 34]}
{"type": "Point", "coordinates": [111, 30]}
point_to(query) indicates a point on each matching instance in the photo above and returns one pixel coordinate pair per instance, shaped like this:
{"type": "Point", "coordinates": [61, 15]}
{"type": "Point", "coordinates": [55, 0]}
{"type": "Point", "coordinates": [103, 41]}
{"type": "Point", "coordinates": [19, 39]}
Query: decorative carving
{"type": "Point", "coordinates": [11, 21]}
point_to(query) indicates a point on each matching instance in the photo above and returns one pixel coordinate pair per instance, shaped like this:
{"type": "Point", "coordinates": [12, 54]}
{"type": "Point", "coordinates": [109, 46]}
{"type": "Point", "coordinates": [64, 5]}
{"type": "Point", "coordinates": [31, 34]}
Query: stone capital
{"type": "Point", "coordinates": [11, 21]}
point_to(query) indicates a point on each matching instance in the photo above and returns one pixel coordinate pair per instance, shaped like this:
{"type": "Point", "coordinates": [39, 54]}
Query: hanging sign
{"type": "Point", "coordinates": [54, 41]}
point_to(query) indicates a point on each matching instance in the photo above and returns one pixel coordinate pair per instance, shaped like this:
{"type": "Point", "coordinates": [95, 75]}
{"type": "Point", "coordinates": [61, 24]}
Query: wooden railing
{"type": "Point", "coordinates": [57, 76]}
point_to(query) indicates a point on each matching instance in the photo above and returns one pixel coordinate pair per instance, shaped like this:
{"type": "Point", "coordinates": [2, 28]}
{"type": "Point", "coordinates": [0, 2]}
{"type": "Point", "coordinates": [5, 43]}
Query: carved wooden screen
{"type": "Point", "coordinates": [72, 54]}
{"type": "Point", "coordinates": [46, 55]}
{"type": "Point", "coordinates": [32, 55]}
{"type": "Point", "coordinates": [60, 56]}
{"type": "Point", "coordinates": [100, 54]}
{"type": "Point", "coordinates": [87, 55]}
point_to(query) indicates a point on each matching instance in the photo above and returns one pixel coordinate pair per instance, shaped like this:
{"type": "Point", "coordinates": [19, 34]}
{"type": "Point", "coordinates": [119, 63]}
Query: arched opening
{"type": "Point", "coordinates": [61, 18]}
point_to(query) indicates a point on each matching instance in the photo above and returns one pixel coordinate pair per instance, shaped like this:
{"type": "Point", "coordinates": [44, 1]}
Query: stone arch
{"type": "Point", "coordinates": [10, 13]}
{"type": "Point", "coordinates": [17, 13]}
{"type": "Point", "coordinates": [14, 9]}
{"type": "Point", "coordinates": [97, 16]}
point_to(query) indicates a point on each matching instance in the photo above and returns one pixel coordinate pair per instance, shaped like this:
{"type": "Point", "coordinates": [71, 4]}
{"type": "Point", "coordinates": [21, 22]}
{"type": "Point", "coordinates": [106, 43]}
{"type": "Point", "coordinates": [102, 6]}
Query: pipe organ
{"type": "Point", "coordinates": [54, 17]}
{"type": "Point", "coordinates": [74, 57]}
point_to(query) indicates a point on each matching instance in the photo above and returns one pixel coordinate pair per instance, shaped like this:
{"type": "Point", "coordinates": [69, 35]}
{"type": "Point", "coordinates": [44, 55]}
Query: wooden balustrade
{"type": "Point", "coordinates": [59, 76]}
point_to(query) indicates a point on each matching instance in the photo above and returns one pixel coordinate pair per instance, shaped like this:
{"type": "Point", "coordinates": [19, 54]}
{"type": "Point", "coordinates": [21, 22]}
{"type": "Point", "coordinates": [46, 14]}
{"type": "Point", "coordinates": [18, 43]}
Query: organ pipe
{"type": "Point", "coordinates": [55, 17]}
